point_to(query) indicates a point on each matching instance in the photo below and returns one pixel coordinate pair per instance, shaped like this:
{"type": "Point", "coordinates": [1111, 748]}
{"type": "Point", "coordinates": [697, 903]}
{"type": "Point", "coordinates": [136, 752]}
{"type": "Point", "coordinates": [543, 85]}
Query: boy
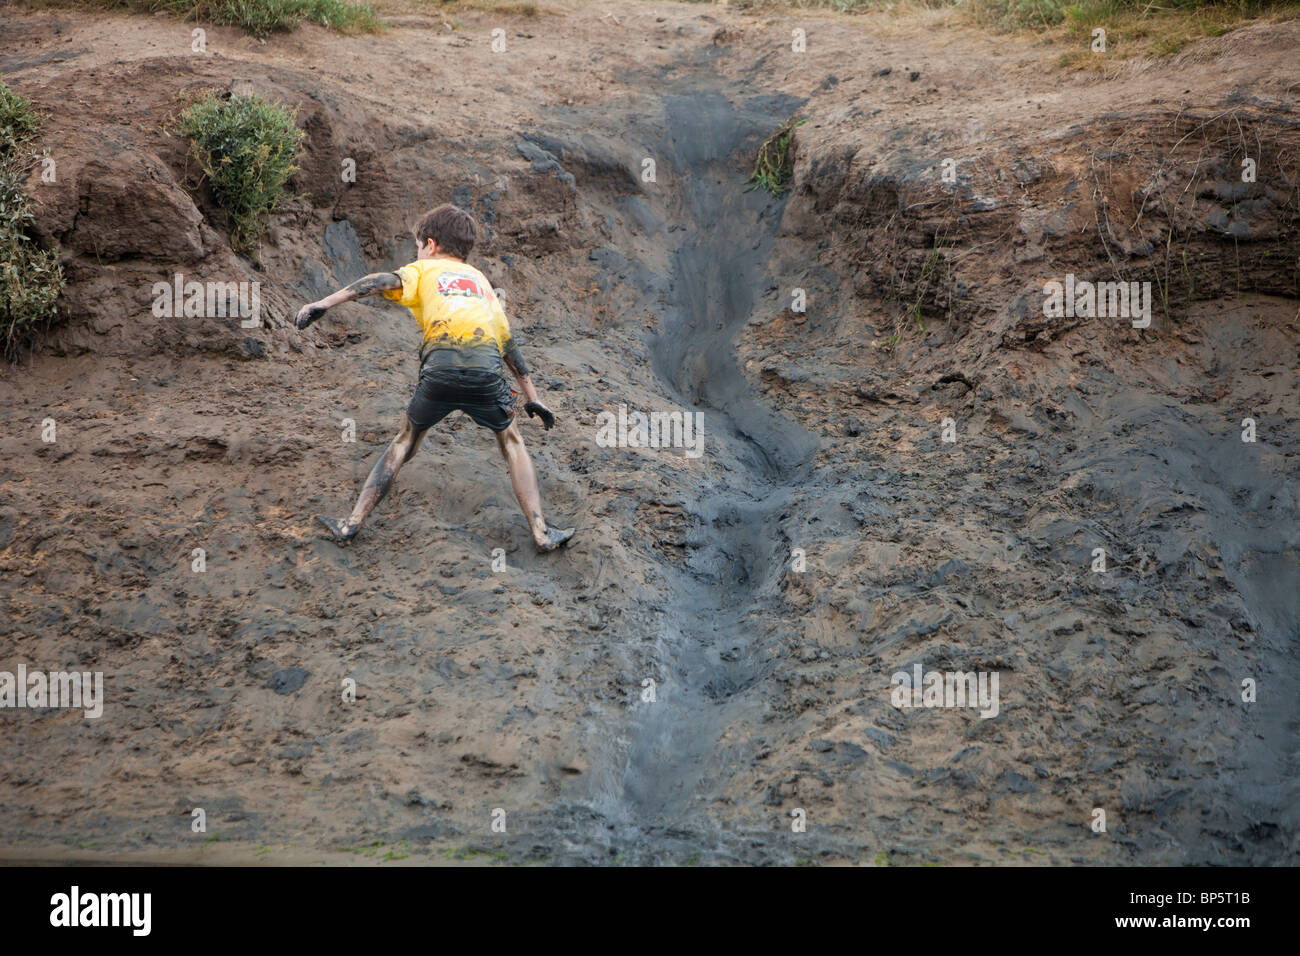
{"type": "Point", "coordinates": [463, 356]}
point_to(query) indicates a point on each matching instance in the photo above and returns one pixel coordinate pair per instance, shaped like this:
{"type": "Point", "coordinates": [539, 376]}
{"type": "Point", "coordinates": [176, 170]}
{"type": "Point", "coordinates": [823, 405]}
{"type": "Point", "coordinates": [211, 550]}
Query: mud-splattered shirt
{"type": "Point", "coordinates": [462, 320]}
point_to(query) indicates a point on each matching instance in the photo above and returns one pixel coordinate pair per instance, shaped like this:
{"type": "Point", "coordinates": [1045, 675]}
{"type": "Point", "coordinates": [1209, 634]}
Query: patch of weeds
{"type": "Point", "coordinates": [929, 285]}
{"type": "Point", "coordinates": [367, 850]}
{"type": "Point", "coordinates": [471, 853]}
{"type": "Point", "coordinates": [1132, 27]}
{"type": "Point", "coordinates": [774, 164]}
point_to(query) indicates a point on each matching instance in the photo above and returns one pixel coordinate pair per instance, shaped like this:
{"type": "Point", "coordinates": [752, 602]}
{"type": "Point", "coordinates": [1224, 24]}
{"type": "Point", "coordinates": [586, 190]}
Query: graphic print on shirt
{"type": "Point", "coordinates": [460, 283]}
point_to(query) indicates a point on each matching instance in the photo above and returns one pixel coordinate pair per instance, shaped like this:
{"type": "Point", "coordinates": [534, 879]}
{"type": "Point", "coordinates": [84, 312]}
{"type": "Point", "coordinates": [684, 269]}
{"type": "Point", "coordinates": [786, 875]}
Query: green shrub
{"type": "Point", "coordinates": [247, 149]}
{"type": "Point", "coordinates": [31, 278]}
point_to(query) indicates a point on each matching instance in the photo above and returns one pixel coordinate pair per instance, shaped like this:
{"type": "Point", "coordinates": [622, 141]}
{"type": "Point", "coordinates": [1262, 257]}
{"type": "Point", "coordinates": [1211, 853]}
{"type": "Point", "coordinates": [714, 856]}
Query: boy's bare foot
{"type": "Point", "coordinates": [342, 533]}
{"type": "Point", "coordinates": [555, 538]}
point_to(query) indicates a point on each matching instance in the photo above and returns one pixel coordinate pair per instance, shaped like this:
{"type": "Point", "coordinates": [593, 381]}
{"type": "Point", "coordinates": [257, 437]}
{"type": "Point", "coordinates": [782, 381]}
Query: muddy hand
{"type": "Point", "coordinates": [308, 314]}
{"type": "Point", "coordinates": [540, 411]}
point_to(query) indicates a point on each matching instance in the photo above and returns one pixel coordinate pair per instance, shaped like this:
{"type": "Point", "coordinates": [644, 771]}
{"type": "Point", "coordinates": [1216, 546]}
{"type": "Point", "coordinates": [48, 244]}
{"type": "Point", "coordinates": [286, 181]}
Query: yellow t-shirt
{"type": "Point", "coordinates": [460, 316]}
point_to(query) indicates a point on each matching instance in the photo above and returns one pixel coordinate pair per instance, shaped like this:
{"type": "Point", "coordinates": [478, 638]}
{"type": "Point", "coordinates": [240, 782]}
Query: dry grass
{"type": "Point", "coordinates": [258, 17]}
{"type": "Point", "coordinates": [1145, 28]}
{"type": "Point", "coordinates": [1154, 31]}
{"type": "Point", "coordinates": [447, 10]}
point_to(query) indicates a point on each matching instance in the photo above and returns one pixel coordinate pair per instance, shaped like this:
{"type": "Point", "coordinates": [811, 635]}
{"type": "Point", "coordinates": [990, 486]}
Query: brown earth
{"type": "Point", "coordinates": [522, 690]}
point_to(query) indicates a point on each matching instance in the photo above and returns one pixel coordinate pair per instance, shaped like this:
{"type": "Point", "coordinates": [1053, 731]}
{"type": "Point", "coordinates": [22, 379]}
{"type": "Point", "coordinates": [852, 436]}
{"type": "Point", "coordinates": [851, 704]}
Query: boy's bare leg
{"type": "Point", "coordinates": [400, 450]}
{"type": "Point", "coordinates": [524, 480]}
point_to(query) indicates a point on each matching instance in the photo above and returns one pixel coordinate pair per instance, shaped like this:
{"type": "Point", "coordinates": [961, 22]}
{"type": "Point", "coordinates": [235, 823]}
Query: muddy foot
{"type": "Point", "coordinates": [336, 528]}
{"type": "Point", "coordinates": [556, 538]}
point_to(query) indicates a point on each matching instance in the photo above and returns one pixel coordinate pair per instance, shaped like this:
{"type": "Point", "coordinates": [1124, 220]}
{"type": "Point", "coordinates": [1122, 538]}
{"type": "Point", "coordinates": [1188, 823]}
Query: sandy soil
{"type": "Point", "coordinates": [522, 690]}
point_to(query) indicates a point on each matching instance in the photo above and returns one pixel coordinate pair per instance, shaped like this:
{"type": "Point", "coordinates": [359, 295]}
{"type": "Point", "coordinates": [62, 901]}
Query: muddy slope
{"type": "Point", "coordinates": [523, 690]}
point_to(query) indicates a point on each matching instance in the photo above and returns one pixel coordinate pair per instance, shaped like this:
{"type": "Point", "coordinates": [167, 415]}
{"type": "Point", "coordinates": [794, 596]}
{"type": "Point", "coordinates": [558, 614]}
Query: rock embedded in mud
{"type": "Point", "coordinates": [128, 205]}
{"type": "Point", "coordinates": [543, 161]}
{"type": "Point", "coordinates": [287, 680]}
{"type": "Point", "coordinates": [251, 348]}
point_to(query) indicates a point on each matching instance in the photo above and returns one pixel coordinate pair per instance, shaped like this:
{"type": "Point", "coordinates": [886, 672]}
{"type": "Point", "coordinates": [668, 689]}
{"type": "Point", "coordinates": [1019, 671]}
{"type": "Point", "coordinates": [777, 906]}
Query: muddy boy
{"type": "Point", "coordinates": [465, 349]}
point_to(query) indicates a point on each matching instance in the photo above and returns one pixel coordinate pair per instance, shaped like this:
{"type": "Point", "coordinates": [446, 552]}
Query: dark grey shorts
{"type": "Point", "coordinates": [483, 395]}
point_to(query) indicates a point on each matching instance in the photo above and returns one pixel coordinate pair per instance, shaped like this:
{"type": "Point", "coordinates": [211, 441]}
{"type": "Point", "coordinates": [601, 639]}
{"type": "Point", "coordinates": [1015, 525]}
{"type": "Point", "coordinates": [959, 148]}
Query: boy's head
{"type": "Point", "coordinates": [451, 228]}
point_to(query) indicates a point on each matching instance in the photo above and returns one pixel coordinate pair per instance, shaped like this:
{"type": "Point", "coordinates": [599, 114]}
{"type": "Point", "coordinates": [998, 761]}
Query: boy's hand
{"type": "Point", "coordinates": [308, 314]}
{"type": "Point", "coordinates": [540, 411]}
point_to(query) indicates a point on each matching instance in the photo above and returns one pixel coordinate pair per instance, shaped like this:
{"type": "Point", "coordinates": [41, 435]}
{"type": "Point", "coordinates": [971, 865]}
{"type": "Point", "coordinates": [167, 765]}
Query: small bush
{"type": "Point", "coordinates": [247, 149]}
{"type": "Point", "coordinates": [31, 278]}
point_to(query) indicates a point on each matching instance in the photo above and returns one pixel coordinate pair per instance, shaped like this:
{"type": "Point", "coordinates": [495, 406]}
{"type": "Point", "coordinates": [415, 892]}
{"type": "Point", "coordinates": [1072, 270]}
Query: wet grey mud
{"type": "Point", "coordinates": [702, 659]}
{"type": "Point", "coordinates": [706, 649]}
{"type": "Point", "coordinates": [714, 650]}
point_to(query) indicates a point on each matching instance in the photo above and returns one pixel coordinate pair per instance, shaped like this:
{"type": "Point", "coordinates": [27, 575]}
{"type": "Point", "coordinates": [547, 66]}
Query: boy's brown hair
{"type": "Point", "coordinates": [451, 227]}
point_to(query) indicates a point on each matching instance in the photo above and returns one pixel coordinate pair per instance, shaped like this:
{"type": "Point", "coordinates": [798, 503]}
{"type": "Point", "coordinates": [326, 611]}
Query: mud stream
{"type": "Point", "coordinates": [703, 654]}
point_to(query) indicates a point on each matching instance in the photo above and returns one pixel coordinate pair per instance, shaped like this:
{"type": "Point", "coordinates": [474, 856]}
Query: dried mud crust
{"type": "Point", "coordinates": [522, 689]}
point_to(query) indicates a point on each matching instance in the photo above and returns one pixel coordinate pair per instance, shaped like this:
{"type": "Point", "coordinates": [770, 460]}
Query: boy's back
{"type": "Point", "coordinates": [460, 317]}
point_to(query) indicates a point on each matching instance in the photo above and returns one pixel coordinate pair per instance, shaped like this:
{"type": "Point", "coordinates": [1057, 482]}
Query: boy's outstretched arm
{"type": "Point", "coordinates": [366, 285]}
{"type": "Point", "coordinates": [532, 403]}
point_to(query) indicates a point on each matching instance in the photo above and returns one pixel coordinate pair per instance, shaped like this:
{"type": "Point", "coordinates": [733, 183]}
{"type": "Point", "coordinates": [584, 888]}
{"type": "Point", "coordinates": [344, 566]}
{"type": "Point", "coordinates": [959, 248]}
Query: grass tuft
{"type": "Point", "coordinates": [774, 164]}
